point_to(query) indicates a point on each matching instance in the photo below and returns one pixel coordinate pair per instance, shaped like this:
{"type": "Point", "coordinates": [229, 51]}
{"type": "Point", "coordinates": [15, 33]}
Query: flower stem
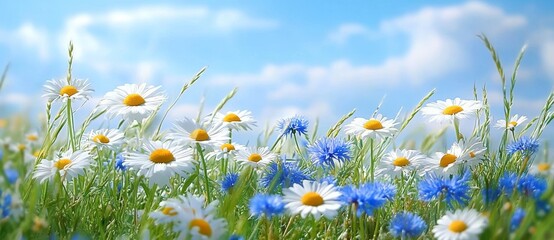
{"type": "Point", "coordinates": [206, 180]}
{"type": "Point", "coordinates": [70, 129]}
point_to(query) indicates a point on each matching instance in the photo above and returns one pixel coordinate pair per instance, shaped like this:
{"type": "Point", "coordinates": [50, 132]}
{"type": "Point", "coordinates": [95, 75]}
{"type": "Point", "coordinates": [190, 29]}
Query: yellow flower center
{"type": "Point", "coordinates": [68, 90]}
{"type": "Point", "coordinates": [373, 124]}
{"type": "Point", "coordinates": [227, 146]}
{"type": "Point", "coordinates": [169, 211]}
{"type": "Point", "coordinates": [100, 139]}
{"type": "Point", "coordinates": [512, 124]}
{"type": "Point", "coordinates": [161, 155]}
{"type": "Point", "coordinates": [451, 110]}
{"type": "Point", "coordinates": [254, 157]}
{"type": "Point", "coordinates": [447, 159]}
{"type": "Point", "coordinates": [457, 226]}
{"type": "Point", "coordinates": [32, 137]}
{"type": "Point", "coordinates": [21, 147]}
{"type": "Point", "coordinates": [60, 164]}
{"type": "Point", "coordinates": [3, 123]}
{"type": "Point", "coordinates": [133, 100]}
{"type": "Point", "coordinates": [472, 154]}
{"type": "Point", "coordinates": [543, 167]}
{"type": "Point", "coordinates": [400, 162]}
{"type": "Point", "coordinates": [312, 199]}
{"type": "Point", "coordinates": [203, 226]}
{"type": "Point", "coordinates": [200, 135]}
{"type": "Point", "coordinates": [231, 117]}
{"type": "Point", "coordinates": [36, 153]}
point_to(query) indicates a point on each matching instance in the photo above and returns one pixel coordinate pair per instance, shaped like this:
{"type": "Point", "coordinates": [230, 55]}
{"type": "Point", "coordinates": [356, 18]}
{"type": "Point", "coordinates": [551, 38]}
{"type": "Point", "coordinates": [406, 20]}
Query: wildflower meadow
{"type": "Point", "coordinates": [129, 172]}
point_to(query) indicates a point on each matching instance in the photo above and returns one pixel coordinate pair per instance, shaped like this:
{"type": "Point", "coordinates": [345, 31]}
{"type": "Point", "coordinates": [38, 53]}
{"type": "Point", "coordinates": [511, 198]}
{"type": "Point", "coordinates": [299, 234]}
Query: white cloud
{"type": "Point", "coordinates": [346, 31]}
{"type": "Point", "coordinates": [546, 46]}
{"type": "Point", "coordinates": [25, 38]}
{"type": "Point", "coordinates": [438, 44]}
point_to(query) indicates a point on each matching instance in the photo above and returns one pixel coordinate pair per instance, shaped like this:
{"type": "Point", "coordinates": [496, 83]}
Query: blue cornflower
{"type": "Point", "coordinates": [490, 195]}
{"type": "Point", "coordinates": [119, 162]}
{"type": "Point", "coordinates": [531, 186]}
{"type": "Point", "coordinates": [236, 237]}
{"type": "Point", "coordinates": [542, 208]}
{"type": "Point", "coordinates": [407, 225]}
{"type": "Point", "coordinates": [284, 174]}
{"type": "Point", "coordinates": [6, 205]}
{"type": "Point", "coordinates": [11, 175]}
{"type": "Point", "coordinates": [329, 151]}
{"type": "Point", "coordinates": [518, 216]}
{"type": "Point", "coordinates": [266, 205]}
{"type": "Point", "coordinates": [367, 197]}
{"type": "Point", "coordinates": [454, 189]}
{"type": "Point", "coordinates": [229, 181]}
{"type": "Point", "coordinates": [507, 182]}
{"type": "Point", "coordinates": [524, 144]}
{"type": "Point", "coordinates": [294, 125]}
{"type": "Point", "coordinates": [329, 179]}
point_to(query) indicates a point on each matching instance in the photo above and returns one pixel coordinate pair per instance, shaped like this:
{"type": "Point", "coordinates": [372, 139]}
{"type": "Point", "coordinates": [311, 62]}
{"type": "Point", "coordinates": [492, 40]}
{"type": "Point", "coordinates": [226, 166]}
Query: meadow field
{"type": "Point", "coordinates": [143, 175]}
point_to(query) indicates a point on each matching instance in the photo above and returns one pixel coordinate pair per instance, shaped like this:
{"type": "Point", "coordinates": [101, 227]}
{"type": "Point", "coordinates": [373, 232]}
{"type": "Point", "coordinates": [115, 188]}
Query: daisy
{"type": "Point", "coordinates": [106, 138]}
{"type": "Point", "coordinates": [32, 138]}
{"type": "Point", "coordinates": [514, 122]}
{"type": "Point", "coordinates": [237, 120]}
{"type": "Point", "coordinates": [200, 226]}
{"type": "Point", "coordinates": [400, 162]}
{"type": "Point", "coordinates": [190, 219]}
{"type": "Point", "coordinates": [132, 101]}
{"type": "Point", "coordinates": [225, 151]}
{"type": "Point", "coordinates": [61, 89]}
{"type": "Point", "coordinates": [449, 162]}
{"type": "Point", "coordinates": [461, 224]}
{"type": "Point", "coordinates": [312, 198]}
{"type": "Point", "coordinates": [69, 165]}
{"type": "Point", "coordinates": [159, 161]}
{"type": "Point", "coordinates": [189, 132]}
{"type": "Point", "coordinates": [378, 126]}
{"type": "Point", "coordinates": [474, 152]}
{"type": "Point", "coordinates": [256, 157]}
{"type": "Point", "coordinates": [447, 111]}
{"type": "Point", "coordinates": [543, 169]}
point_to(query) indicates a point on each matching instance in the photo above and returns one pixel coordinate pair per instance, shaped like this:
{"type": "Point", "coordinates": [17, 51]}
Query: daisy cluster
{"type": "Point", "coordinates": [126, 172]}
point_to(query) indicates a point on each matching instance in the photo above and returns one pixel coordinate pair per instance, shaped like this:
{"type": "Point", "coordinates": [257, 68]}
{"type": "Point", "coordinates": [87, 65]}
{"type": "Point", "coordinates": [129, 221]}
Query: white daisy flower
{"type": "Point", "coordinates": [190, 219]}
{"type": "Point", "coordinates": [447, 111]}
{"type": "Point", "coordinates": [198, 226]}
{"type": "Point", "coordinates": [371, 128]}
{"type": "Point", "coordinates": [543, 169]}
{"type": "Point", "coordinates": [256, 157]}
{"type": "Point", "coordinates": [189, 132]}
{"type": "Point", "coordinates": [32, 138]}
{"type": "Point", "coordinates": [474, 152]}
{"type": "Point", "coordinates": [515, 121]}
{"type": "Point", "coordinates": [462, 224]}
{"type": "Point", "coordinates": [237, 120]}
{"type": "Point", "coordinates": [400, 161]}
{"type": "Point", "coordinates": [69, 165]}
{"type": "Point", "coordinates": [159, 161]}
{"type": "Point", "coordinates": [61, 89]}
{"type": "Point", "coordinates": [447, 163]}
{"type": "Point", "coordinates": [105, 138]}
{"type": "Point", "coordinates": [226, 151]}
{"type": "Point", "coordinates": [132, 101]}
{"type": "Point", "coordinates": [312, 198]}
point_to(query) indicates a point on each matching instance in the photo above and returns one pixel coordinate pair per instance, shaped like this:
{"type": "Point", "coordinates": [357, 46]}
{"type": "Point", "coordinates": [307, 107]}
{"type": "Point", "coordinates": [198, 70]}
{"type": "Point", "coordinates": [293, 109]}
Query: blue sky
{"type": "Point", "coordinates": [318, 59]}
